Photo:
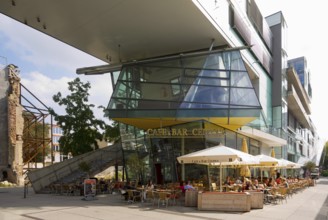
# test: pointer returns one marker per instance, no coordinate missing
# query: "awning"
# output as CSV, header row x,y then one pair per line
x,y
267,139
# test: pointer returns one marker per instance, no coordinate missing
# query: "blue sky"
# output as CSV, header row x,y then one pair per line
x,y
46,65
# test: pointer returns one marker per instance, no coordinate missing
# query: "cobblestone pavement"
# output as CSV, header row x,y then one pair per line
x,y
311,203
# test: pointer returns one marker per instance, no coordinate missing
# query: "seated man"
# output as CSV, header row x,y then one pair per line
x,y
124,191
188,186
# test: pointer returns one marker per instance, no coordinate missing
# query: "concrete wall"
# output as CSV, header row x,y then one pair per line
x,y
60,172
4,87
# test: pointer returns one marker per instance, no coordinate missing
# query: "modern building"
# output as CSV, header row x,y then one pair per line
x,y
187,75
57,155
304,74
303,140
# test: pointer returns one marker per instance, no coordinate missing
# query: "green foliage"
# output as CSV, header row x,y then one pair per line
x,y
80,127
35,137
324,157
310,165
135,166
324,173
112,132
84,166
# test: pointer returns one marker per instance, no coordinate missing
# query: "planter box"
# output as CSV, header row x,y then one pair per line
x,y
257,198
220,201
191,197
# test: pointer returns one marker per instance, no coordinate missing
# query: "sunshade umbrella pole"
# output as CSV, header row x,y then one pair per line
x,y
220,177
208,177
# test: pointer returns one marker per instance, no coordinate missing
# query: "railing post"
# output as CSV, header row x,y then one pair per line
x,y
25,190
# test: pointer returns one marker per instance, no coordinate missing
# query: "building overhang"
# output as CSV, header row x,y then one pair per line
x,y
268,140
117,31
297,109
294,82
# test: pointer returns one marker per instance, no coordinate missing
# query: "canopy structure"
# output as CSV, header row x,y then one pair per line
x,y
267,161
289,164
218,156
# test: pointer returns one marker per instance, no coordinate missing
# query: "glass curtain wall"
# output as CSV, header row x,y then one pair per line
x,y
176,91
155,158
187,92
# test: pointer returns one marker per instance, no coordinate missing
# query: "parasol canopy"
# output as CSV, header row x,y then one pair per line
x,y
218,156
288,164
267,161
245,171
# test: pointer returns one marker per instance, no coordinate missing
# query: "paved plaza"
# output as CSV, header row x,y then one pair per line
x,y
311,203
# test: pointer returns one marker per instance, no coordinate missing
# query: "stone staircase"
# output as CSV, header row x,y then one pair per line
x,y
69,171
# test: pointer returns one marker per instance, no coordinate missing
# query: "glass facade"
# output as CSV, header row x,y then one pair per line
x,y
188,94
213,87
154,158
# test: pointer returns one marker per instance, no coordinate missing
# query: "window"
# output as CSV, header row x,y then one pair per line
x,y
175,86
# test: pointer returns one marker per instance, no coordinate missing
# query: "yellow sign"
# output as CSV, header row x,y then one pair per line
x,y
183,132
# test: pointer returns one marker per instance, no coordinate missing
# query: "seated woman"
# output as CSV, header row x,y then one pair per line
x,y
255,184
182,184
272,182
149,187
227,181
284,183
248,185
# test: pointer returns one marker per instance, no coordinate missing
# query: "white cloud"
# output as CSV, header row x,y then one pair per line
x,y
41,50
47,53
44,87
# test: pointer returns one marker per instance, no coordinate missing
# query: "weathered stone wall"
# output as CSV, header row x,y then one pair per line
x,y
4,87
15,125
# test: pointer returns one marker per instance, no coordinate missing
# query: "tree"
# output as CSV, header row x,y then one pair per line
x,y
309,167
112,132
81,129
324,157
35,138
85,167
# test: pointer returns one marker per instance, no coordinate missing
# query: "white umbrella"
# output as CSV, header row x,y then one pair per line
x,y
288,164
266,161
218,156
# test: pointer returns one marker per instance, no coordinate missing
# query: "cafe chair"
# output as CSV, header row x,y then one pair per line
x,y
137,195
130,196
271,196
150,196
214,187
163,197
282,194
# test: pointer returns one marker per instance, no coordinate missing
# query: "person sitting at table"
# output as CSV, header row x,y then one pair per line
x,y
124,191
271,182
188,186
278,180
182,184
149,187
284,182
239,181
247,185
255,184
265,182
227,181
